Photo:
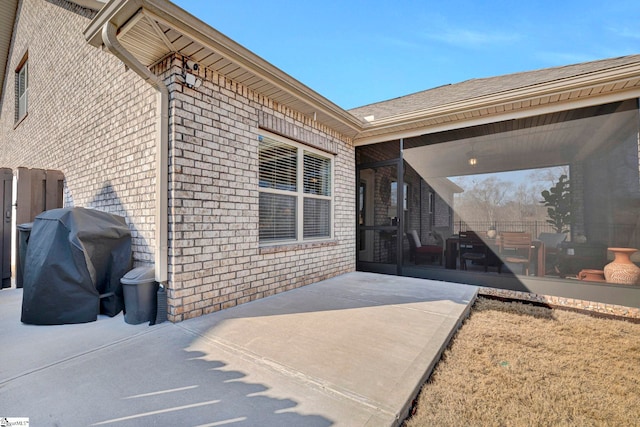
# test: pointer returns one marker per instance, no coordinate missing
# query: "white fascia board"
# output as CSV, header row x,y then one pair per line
x,y
391,132
586,81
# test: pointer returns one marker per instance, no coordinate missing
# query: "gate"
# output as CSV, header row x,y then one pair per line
x,y
38,190
6,185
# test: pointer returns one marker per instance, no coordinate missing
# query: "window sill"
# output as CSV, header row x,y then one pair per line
x,y
297,246
20,120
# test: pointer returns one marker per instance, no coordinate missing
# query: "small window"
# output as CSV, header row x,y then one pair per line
x,y
394,196
432,202
295,192
22,90
432,208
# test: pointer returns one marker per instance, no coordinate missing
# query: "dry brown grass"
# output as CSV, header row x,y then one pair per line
x,y
513,364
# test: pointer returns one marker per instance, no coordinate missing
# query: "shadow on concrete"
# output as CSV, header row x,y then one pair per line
x,y
206,393
353,291
112,373
352,349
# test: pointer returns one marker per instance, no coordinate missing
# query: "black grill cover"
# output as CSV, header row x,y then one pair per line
x,y
75,260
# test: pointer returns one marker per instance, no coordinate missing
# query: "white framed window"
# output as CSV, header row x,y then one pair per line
x,y
432,202
394,196
296,192
22,90
432,208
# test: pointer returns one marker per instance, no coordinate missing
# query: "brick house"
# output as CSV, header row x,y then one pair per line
x,y
237,181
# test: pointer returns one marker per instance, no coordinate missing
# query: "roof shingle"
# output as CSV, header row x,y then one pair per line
x,y
475,88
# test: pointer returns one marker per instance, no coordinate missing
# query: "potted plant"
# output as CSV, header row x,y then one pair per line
x,y
557,199
491,233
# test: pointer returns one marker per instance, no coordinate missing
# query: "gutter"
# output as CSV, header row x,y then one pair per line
x,y
585,82
408,125
162,147
205,35
121,11
440,120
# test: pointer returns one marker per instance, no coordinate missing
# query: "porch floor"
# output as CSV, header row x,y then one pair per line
x,y
352,350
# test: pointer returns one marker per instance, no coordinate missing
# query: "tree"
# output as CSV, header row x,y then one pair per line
x,y
482,199
557,199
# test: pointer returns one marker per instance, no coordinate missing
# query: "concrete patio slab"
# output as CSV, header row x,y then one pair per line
x,y
352,350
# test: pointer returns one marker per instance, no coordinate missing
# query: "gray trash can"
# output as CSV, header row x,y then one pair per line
x,y
161,315
24,231
139,289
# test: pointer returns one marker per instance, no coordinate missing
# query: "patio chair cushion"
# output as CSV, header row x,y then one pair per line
x,y
429,249
417,248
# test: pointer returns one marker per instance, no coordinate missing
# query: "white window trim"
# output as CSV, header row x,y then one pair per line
x,y
432,202
300,194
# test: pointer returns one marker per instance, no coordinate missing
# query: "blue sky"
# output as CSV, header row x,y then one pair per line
x,y
356,53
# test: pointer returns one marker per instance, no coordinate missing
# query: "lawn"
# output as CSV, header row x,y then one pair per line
x,y
514,364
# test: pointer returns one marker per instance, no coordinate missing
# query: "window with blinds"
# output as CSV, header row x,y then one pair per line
x,y
316,218
22,90
278,165
277,217
317,174
295,192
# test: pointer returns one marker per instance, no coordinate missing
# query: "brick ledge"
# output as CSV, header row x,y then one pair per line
x,y
296,247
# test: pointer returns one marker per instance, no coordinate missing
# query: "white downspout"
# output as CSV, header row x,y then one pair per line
x,y
162,147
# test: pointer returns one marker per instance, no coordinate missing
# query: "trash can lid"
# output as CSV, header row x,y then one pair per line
x,y
26,226
139,275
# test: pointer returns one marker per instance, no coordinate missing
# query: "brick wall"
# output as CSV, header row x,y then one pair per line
x,y
215,257
88,117
95,121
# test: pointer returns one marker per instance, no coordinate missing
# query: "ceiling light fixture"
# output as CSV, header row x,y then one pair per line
x,y
473,160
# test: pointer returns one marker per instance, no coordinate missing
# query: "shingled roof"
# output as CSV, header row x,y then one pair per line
x,y
476,88
162,28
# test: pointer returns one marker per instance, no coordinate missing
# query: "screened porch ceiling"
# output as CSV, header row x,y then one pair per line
x,y
536,142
